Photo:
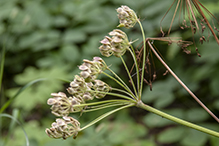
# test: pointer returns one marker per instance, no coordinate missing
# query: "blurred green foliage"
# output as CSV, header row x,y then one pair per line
x,y
50,38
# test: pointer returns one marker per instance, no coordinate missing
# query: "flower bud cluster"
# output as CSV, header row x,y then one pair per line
x,y
116,45
63,128
127,17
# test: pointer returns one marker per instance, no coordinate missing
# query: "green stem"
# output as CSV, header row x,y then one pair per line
x,y
144,57
102,102
2,66
177,120
19,91
105,115
136,66
120,82
183,85
115,94
127,70
122,91
103,106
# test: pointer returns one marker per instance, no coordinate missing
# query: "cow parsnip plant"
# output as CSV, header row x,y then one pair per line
x,y
86,86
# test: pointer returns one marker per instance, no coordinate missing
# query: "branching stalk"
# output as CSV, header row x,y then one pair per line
x,y
127,70
105,115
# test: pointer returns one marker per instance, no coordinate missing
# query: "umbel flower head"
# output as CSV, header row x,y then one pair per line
x,y
127,17
102,87
83,88
62,105
117,45
64,128
91,69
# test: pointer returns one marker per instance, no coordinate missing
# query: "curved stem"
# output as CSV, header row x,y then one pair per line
x,y
2,66
127,70
144,57
136,66
105,115
103,106
115,94
122,91
102,102
120,82
184,86
177,120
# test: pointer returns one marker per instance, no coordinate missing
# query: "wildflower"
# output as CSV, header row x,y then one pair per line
x,y
64,128
127,17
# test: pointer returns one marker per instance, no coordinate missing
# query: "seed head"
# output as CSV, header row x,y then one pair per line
x,y
63,128
62,105
101,86
127,17
117,45
91,69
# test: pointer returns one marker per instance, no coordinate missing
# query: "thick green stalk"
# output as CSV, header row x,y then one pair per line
x,y
177,120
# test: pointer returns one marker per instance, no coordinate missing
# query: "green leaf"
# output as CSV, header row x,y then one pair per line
x,y
196,115
74,36
18,92
35,134
22,131
173,49
60,21
153,120
38,14
70,53
194,137
171,135
161,93
38,93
